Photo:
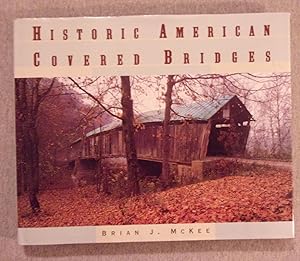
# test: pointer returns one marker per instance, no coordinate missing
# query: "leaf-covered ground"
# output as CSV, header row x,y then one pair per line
x,y
251,196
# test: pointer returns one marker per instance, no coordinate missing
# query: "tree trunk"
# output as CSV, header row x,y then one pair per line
x,y
32,163
128,134
278,120
27,141
20,143
29,96
98,175
99,171
101,175
165,175
32,155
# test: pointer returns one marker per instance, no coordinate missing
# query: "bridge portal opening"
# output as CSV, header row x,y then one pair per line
x,y
228,139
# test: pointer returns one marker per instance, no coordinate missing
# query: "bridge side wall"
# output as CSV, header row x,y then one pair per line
x,y
188,142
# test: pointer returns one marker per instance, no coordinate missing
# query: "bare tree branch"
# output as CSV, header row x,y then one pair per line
x,y
95,99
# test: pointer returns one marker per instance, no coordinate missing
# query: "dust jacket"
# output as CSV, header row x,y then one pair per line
x,y
153,128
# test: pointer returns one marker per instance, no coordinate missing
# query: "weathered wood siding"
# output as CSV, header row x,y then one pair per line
x,y
106,144
149,142
188,142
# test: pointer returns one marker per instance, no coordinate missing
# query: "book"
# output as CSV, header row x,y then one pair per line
x,y
153,128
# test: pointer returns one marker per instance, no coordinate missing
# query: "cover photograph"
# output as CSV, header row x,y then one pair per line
x,y
153,128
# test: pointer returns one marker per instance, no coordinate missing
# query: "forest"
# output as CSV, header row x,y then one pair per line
x,y
53,116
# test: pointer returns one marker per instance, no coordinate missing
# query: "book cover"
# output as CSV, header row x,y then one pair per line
x,y
153,128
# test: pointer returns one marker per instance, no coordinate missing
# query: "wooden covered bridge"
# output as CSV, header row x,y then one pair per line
x,y
197,131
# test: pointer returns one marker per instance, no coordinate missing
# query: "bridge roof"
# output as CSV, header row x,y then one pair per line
x,y
202,110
